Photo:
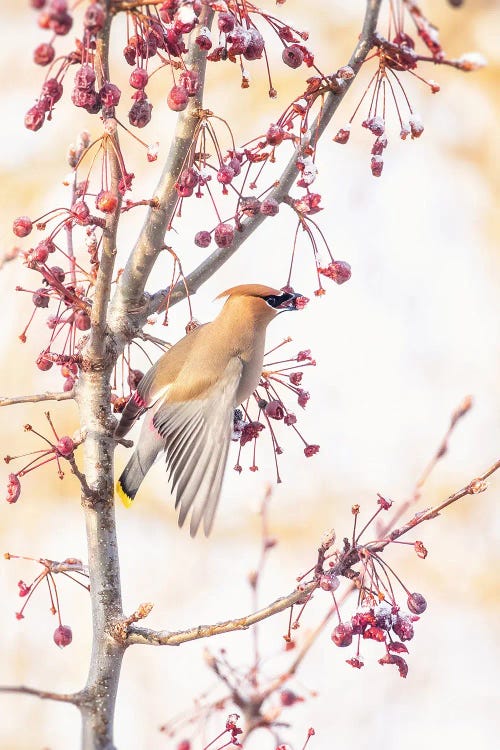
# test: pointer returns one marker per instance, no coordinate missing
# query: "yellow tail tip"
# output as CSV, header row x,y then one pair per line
x,y
126,500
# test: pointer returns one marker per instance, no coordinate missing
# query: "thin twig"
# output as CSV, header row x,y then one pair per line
x,y
43,694
37,397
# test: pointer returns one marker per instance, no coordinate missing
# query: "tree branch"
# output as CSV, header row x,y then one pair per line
x,y
128,296
37,397
43,694
346,561
210,265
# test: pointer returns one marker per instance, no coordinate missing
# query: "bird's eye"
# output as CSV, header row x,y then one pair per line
x,y
272,300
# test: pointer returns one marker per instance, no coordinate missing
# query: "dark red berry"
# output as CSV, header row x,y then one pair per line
x,y
342,634
35,117
255,44
13,489
65,446
293,56
139,78
416,603
57,273
269,207
202,239
188,79
225,174
52,90
109,95
140,113
43,54
274,410
177,99
43,362
226,22
81,212
94,18
275,135
311,450
223,235
63,636
203,41
403,628
85,77
41,298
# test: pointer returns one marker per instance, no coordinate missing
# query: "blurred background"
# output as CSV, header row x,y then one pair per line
x,y
398,347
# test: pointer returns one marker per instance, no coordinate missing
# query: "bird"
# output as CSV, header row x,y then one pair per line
x,y
189,396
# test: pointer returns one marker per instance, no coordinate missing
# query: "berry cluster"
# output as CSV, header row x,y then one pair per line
x,y
69,568
396,56
266,407
63,448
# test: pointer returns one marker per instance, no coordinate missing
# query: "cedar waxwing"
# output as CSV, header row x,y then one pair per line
x,y
190,396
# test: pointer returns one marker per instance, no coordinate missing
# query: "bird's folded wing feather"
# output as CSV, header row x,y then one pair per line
x,y
197,435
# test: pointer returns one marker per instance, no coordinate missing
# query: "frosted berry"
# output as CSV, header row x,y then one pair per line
x,y
274,409
82,320
203,41
238,39
342,634
138,78
223,235
255,44
177,99
65,446
63,636
202,239
94,18
22,226
106,201
416,603
293,56
43,54
275,135
225,174
403,628
269,207
225,22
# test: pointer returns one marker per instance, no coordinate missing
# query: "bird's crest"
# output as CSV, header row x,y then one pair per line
x,y
249,290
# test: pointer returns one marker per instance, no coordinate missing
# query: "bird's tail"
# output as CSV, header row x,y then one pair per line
x,y
144,456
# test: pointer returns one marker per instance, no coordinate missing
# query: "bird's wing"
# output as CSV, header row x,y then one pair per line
x,y
197,435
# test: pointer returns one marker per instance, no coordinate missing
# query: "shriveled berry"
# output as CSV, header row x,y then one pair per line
x,y
343,135
342,634
177,99
60,23
106,201
202,238
188,178
403,627
140,113
57,274
82,320
109,95
85,77
339,271
203,41
52,90
274,409
134,378
311,450
188,80
138,78
275,135
255,44
63,636
65,446
416,603
269,207
22,226
293,56
34,117
41,298
225,174
223,235
249,205
69,384
94,18
238,40
81,212
43,54
13,489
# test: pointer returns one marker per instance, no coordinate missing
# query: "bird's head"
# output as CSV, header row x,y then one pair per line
x,y
264,301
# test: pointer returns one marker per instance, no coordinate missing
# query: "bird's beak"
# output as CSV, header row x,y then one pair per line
x,y
295,301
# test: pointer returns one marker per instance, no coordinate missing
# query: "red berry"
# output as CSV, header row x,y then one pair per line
x,y
275,135
255,44
106,201
63,636
238,39
403,628
184,745
69,384
202,239
85,77
343,135
52,90
134,378
288,698
22,226
311,450
43,54
57,274
416,603
109,95
342,634
223,235
203,41
225,174
177,99
43,362
138,78
94,18
293,56
81,212
188,178
65,446
82,320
